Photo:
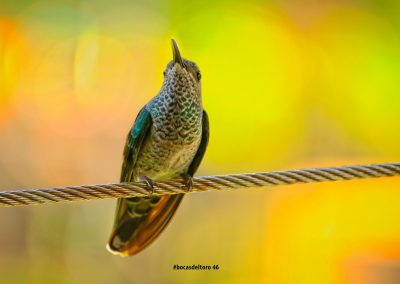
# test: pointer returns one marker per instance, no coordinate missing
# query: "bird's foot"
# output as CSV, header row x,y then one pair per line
x,y
149,183
187,181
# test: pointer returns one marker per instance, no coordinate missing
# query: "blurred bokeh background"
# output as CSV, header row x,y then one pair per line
x,y
286,83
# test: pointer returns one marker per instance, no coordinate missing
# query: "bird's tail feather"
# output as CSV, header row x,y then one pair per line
x,y
139,220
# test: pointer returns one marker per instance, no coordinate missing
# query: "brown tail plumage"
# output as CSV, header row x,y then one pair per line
x,y
139,220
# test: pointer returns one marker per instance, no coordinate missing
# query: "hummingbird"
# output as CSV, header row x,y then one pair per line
x,y
167,140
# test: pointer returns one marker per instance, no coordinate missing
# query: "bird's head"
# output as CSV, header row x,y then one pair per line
x,y
182,74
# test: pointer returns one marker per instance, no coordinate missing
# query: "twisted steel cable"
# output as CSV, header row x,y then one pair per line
x,y
206,183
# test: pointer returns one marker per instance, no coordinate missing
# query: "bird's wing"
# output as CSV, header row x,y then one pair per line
x,y
134,141
138,133
205,134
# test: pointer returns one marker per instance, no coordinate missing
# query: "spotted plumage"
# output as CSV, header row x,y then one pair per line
x,y
168,140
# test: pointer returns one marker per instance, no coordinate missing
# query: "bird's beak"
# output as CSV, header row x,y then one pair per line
x,y
177,54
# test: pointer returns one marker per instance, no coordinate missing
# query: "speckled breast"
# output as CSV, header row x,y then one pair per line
x,y
174,138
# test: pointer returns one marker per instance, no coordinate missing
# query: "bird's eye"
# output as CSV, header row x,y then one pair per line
x,y
164,73
198,74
